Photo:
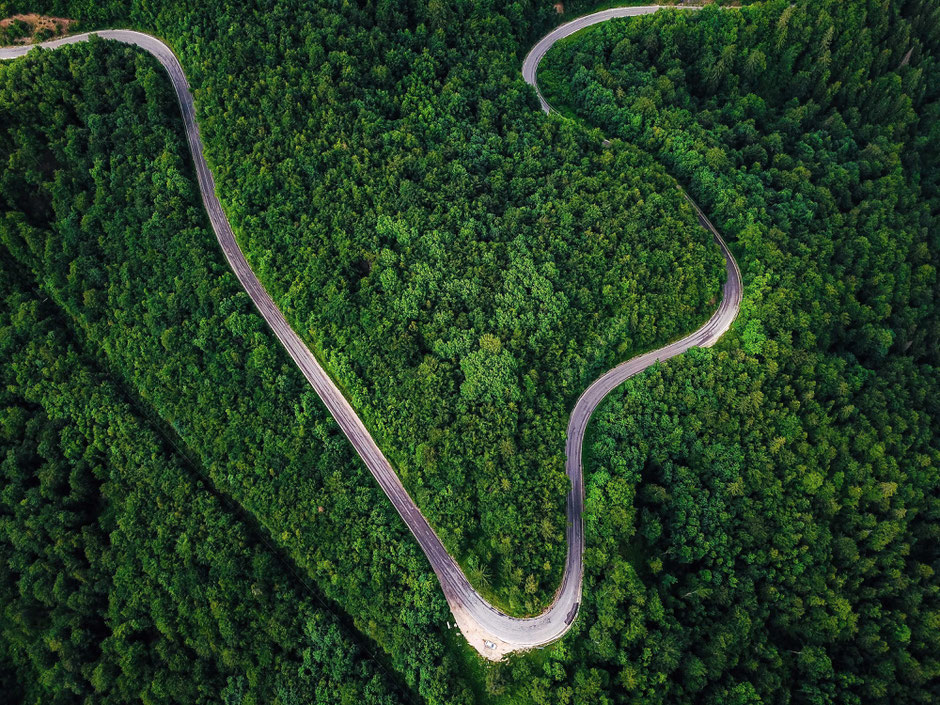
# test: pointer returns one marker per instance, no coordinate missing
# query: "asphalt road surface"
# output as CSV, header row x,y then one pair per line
x,y
488,630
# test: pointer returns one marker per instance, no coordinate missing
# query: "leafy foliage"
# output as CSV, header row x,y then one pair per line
x,y
764,517
125,578
99,184
761,518
402,210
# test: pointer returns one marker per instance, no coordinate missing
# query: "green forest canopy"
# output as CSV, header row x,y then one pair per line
x,y
462,267
781,495
125,577
726,489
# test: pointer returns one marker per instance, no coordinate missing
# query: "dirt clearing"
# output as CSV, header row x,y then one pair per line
x,y
26,29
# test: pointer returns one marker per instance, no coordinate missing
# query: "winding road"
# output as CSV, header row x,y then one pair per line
x,y
488,630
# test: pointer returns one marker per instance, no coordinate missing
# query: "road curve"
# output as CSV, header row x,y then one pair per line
x,y
531,64
488,630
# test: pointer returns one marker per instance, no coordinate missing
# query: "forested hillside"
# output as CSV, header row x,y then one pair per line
x,y
765,517
790,125
113,231
461,266
125,577
761,519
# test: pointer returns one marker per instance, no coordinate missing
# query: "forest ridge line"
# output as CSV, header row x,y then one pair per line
x,y
488,630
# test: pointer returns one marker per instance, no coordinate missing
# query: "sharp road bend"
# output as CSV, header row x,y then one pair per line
x,y
491,632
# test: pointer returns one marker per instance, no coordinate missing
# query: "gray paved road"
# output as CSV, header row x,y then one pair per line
x,y
488,630
531,64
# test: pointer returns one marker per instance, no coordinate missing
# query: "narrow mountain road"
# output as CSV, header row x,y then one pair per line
x,y
488,630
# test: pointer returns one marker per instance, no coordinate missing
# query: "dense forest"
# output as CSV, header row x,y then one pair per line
x,y
772,508
462,267
125,577
181,519
180,337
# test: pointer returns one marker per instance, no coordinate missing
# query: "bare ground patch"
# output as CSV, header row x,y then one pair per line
x,y
32,27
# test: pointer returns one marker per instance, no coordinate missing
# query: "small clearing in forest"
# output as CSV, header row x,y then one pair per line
x,y
26,29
